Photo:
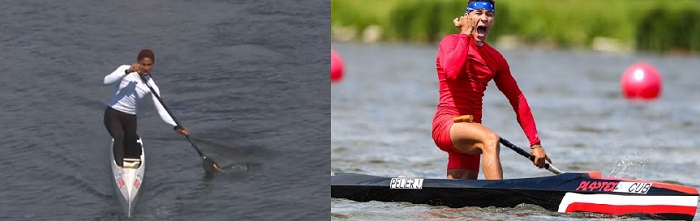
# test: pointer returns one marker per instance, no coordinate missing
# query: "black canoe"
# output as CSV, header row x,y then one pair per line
x,y
567,192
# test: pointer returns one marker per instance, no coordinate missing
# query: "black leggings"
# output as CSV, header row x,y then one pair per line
x,y
122,127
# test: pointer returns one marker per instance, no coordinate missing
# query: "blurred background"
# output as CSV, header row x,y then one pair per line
x,y
572,60
617,25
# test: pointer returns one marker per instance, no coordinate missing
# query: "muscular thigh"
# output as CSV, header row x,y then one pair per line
x,y
469,138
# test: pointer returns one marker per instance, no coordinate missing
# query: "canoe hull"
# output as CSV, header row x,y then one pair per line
x,y
568,192
128,181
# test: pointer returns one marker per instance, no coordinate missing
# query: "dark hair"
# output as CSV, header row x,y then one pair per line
x,y
146,53
492,1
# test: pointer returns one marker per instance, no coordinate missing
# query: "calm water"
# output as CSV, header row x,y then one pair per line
x,y
383,109
239,74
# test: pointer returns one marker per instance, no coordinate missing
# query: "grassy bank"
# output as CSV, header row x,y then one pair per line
x,y
654,25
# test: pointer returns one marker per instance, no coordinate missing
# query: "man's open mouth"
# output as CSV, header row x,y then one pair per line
x,y
481,29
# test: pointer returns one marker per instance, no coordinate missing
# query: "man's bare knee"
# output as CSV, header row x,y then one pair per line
x,y
491,140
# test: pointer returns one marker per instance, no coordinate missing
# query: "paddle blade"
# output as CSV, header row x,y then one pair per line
x,y
552,169
209,165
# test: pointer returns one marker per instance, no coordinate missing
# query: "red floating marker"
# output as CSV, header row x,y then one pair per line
x,y
337,68
641,81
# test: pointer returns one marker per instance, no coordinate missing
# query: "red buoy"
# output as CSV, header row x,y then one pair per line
x,y
641,81
337,68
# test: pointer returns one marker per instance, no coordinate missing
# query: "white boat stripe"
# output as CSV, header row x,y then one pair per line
x,y
626,200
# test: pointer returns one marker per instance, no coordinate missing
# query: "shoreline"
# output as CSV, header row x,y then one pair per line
x,y
521,46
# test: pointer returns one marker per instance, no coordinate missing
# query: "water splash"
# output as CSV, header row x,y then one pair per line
x,y
636,165
630,167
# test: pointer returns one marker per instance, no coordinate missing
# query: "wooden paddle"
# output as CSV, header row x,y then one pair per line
x,y
209,164
524,153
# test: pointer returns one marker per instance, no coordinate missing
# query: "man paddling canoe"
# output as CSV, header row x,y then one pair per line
x,y
465,64
120,115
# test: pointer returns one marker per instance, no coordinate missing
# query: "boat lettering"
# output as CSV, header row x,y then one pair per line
x,y
633,187
598,186
404,183
137,183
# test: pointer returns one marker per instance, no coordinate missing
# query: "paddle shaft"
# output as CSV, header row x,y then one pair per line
x,y
171,115
524,153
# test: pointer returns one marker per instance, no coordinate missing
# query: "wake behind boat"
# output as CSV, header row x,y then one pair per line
x,y
127,180
566,193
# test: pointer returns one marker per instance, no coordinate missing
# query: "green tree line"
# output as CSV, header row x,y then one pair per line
x,y
648,25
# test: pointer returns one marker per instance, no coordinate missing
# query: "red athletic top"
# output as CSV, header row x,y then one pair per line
x,y
464,69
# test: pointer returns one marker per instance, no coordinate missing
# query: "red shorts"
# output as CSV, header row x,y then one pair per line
x,y
441,135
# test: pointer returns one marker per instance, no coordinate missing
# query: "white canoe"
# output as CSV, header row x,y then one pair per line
x,y
127,181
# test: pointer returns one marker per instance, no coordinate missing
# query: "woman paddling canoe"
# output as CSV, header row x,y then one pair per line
x,y
465,65
120,115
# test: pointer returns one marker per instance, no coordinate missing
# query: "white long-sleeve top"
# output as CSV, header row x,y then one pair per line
x,y
131,90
